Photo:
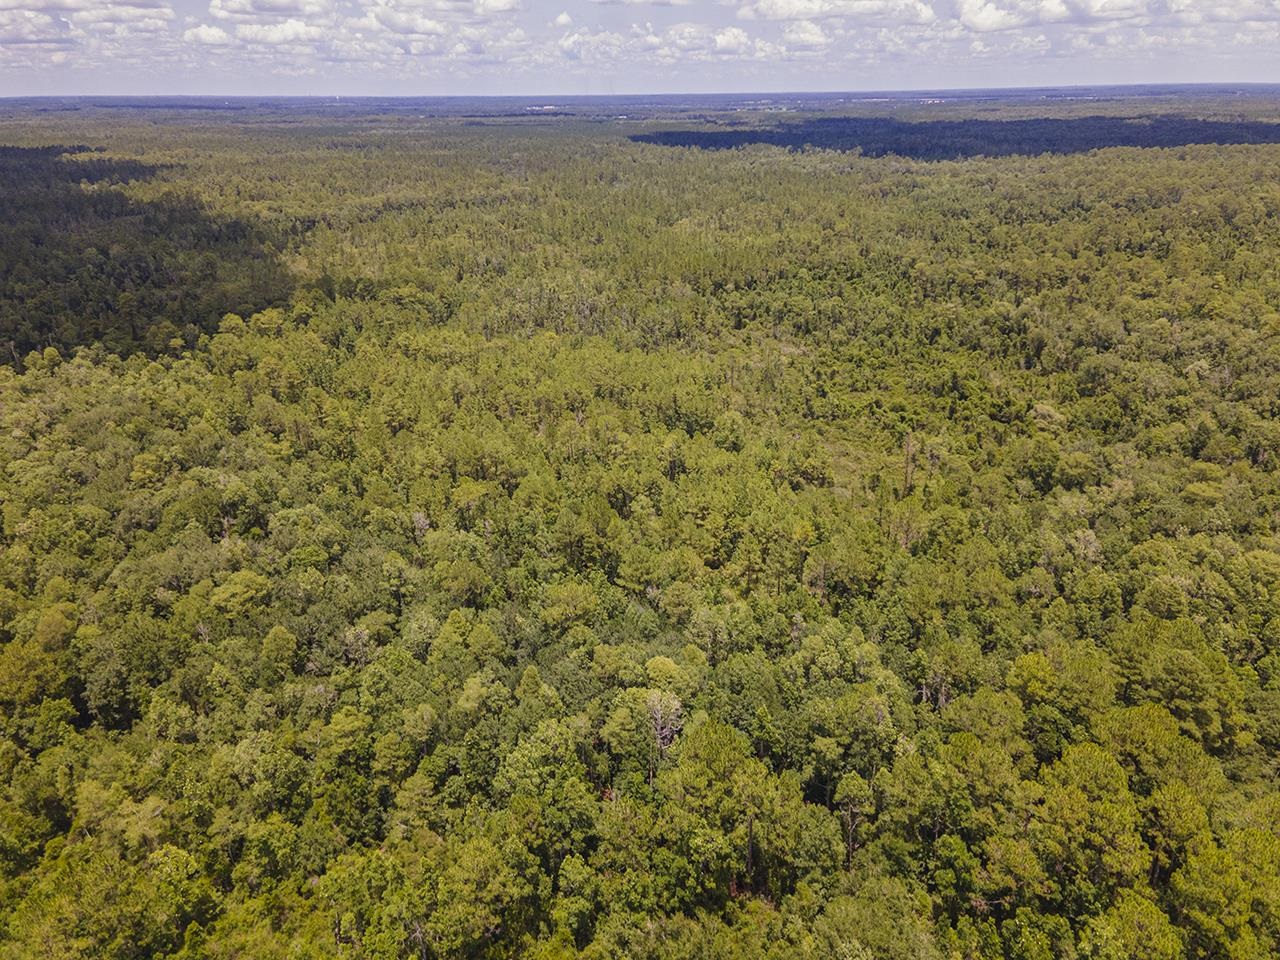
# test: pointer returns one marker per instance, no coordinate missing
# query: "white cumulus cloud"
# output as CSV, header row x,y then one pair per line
x,y
259,10
208,35
28,27
896,11
288,32
804,34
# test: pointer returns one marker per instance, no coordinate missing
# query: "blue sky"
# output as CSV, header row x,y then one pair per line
x,y
423,47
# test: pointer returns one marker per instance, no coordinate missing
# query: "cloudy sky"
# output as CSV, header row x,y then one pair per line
x,y
621,46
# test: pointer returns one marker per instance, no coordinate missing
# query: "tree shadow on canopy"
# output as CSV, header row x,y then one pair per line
x,y
82,262
957,139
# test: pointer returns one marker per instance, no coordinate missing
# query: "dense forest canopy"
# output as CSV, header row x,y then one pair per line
x,y
463,533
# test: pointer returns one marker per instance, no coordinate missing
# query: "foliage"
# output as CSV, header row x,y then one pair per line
x,y
532,542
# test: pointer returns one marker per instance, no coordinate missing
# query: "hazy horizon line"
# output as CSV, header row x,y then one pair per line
x,y
870,91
